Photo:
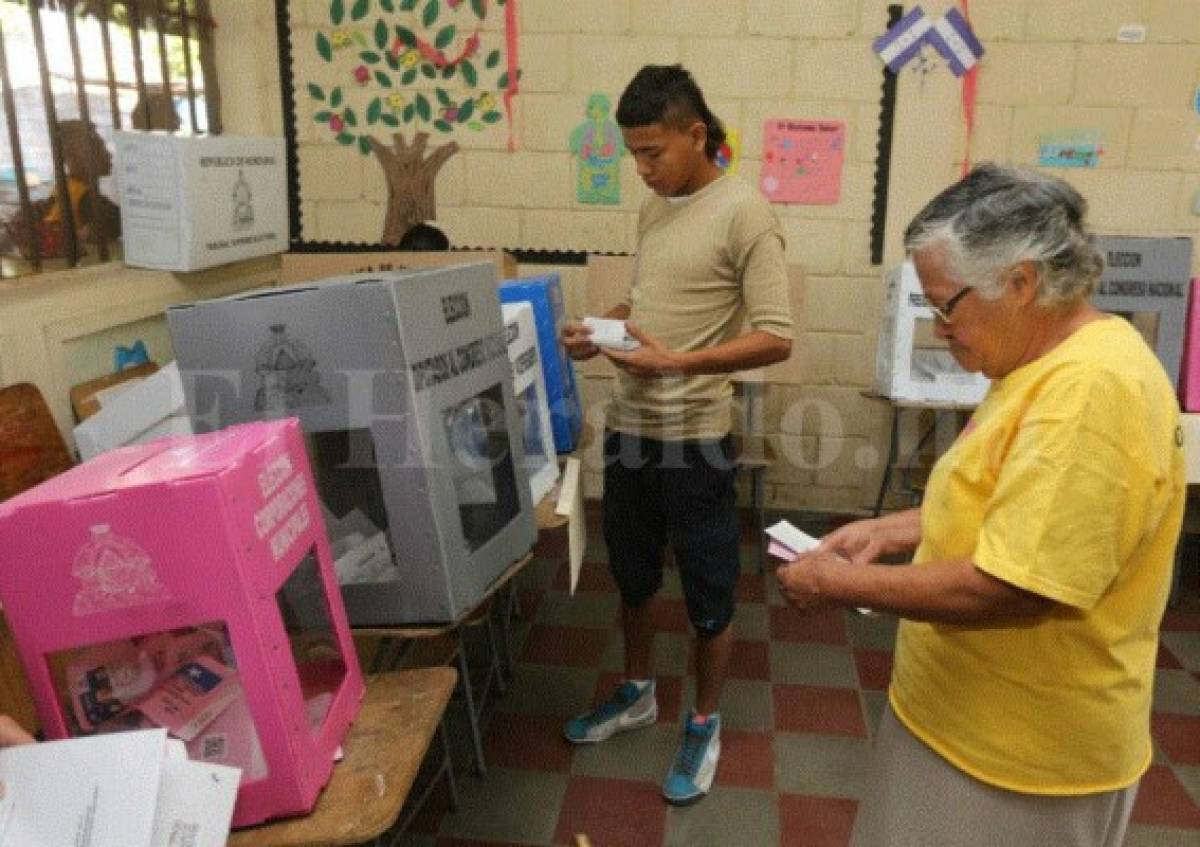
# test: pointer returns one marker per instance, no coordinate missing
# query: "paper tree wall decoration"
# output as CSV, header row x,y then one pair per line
x,y
412,66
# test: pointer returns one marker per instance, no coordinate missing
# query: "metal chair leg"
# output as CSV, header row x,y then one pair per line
x,y
497,656
469,700
757,502
451,784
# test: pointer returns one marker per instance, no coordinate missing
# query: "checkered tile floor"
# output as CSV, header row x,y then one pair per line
x,y
803,696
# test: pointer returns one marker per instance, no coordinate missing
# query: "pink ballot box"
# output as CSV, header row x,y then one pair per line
x,y
188,584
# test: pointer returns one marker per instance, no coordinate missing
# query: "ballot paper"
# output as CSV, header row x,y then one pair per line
x,y
195,801
611,333
125,789
787,542
570,506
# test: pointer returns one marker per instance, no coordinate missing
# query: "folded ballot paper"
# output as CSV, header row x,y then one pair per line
x,y
125,789
787,542
610,333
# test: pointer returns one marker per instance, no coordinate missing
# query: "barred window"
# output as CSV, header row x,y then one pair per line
x,y
72,73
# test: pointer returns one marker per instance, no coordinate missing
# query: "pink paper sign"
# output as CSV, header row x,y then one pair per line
x,y
802,161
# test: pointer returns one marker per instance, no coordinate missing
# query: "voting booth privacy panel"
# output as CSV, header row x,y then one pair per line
x,y
544,295
402,384
107,574
1145,281
529,385
913,365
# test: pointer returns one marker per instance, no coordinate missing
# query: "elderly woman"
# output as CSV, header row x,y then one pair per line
x,y
1019,707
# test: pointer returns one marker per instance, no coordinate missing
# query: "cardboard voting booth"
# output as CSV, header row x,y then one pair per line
x,y
911,364
402,384
1147,281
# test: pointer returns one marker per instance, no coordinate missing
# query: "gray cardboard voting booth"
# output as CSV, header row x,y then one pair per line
x,y
402,384
1147,280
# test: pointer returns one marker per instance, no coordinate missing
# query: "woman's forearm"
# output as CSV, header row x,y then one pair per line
x,y
943,592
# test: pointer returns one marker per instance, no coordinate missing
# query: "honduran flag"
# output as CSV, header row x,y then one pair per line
x,y
954,39
903,41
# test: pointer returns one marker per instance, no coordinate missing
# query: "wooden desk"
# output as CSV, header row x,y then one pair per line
x,y
384,750
547,518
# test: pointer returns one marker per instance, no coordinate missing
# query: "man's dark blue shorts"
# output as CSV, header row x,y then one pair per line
x,y
679,493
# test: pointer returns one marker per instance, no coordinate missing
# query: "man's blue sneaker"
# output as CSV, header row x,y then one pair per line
x,y
628,708
696,762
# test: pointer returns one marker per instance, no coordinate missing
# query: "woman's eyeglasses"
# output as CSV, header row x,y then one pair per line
x,y
942,313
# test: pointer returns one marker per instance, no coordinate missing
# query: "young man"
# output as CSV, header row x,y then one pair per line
x,y
710,257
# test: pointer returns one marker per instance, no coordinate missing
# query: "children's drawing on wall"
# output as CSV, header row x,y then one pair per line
x,y
729,156
597,146
409,70
1070,148
802,161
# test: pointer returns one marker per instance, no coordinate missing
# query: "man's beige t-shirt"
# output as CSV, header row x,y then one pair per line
x,y
706,264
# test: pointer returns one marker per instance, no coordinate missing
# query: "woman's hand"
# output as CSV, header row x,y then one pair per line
x,y
800,580
11,733
865,541
859,542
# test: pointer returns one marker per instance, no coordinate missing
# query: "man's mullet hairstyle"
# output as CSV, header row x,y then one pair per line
x,y
668,94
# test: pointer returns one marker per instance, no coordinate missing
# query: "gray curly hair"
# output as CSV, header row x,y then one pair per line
x,y
997,216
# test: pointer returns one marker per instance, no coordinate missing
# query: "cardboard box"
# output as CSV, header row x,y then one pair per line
x,y
402,384
1146,280
86,396
541,461
911,365
544,294
192,202
107,575
302,267
608,282
151,408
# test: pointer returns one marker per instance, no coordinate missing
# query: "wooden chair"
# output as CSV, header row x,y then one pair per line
x,y
31,451
31,448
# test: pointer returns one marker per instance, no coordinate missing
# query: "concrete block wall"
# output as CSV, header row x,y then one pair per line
x,y
1049,66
